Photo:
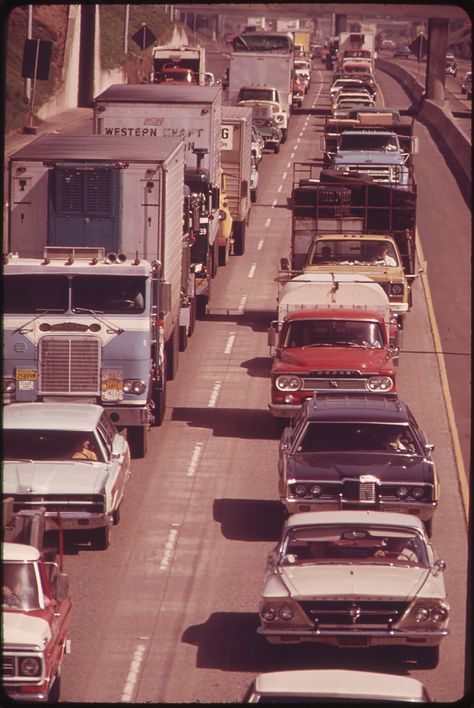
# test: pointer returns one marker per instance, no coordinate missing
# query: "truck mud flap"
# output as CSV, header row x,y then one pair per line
x,y
239,238
137,437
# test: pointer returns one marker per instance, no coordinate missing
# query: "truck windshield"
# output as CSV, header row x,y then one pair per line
x,y
369,142
256,94
332,333
26,294
352,251
262,42
108,294
20,586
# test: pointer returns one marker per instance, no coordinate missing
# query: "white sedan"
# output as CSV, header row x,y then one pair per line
x,y
356,579
69,459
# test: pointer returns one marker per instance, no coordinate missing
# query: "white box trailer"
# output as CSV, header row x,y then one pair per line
x,y
260,71
236,166
97,202
192,114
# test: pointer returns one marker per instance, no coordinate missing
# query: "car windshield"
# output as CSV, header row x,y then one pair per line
x,y
332,333
369,142
357,437
354,544
352,251
52,445
20,586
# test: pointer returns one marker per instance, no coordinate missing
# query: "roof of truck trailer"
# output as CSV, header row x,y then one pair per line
x,y
57,146
236,113
159,93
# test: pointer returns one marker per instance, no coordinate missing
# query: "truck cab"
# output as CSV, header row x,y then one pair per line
x,y
265,96
37,608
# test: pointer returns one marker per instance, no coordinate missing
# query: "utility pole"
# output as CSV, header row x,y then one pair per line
x,y
29,35
125,32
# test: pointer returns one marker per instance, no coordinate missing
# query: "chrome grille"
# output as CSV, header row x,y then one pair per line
x,y
8,666
337,613
367,490
334,384
377,173
69,365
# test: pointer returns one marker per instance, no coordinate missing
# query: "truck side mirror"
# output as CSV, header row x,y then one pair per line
x,y
164,297
62,587
215,197
284,264
414,145
273,333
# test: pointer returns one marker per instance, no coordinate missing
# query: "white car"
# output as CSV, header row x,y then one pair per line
x,y
346,94
257,144
356,579
70,459
321,685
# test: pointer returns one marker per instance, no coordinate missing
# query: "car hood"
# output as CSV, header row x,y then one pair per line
x,y
364,157
353,581
54,477
20,628
336,466
332,358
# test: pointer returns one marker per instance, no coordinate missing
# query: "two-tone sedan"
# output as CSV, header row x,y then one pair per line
x,y
356,579
70,459
357,452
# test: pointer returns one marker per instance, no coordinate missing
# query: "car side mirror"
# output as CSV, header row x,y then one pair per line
x,y
439,565
289,559
429,447
284,264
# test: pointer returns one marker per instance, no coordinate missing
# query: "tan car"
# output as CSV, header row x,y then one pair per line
x,y
375,256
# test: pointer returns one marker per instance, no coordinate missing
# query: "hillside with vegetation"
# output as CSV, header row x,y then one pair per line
x,y
50,23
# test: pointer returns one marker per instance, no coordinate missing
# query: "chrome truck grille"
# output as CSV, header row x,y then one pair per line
x,y
69,365
378,173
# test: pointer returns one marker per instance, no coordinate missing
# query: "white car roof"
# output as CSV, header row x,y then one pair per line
x,y
19,552
52,416
385,518
341,682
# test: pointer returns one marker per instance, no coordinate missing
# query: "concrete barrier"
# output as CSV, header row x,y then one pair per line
x,y
449,137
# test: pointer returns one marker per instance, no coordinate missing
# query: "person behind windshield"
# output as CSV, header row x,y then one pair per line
x,y
395,443
382,256
82,451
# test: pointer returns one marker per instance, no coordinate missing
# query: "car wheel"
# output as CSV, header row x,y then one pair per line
x,y
427,657
100,539
55,692
276,149
116,516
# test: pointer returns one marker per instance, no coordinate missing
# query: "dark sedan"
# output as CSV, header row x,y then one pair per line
x,y
357,452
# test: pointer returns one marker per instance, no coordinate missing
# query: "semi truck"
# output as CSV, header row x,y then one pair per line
x,y
261,73
192,114
94,297
191,58
356,45
236,168
334,334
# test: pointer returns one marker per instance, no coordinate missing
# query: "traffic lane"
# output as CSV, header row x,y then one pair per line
x,y
446,274
147,510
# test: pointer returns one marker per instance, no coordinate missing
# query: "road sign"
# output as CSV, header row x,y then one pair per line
x,y
419,46
36,59
144,37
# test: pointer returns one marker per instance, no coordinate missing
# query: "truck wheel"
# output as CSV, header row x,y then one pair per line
x,y
284,135
137,440
276,149
183,338
224,253
253,195
172,351
239,238
159,403
427,657
214,259
192,316
100,539
55,692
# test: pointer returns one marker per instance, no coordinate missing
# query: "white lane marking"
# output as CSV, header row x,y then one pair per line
x,y
284,175
267,223
193,465
214,394
280,188
252,270
242,303
292,155
230,343
301,134
298,140
288,166
274,202
133,672
170,545
260,244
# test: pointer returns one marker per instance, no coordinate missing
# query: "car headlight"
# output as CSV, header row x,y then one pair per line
x,y
288,383
268,613
402,492
396,289
379,383
300,490
422,614
418,493
316,490
285,613
439,613
280,119
30,666
135,386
